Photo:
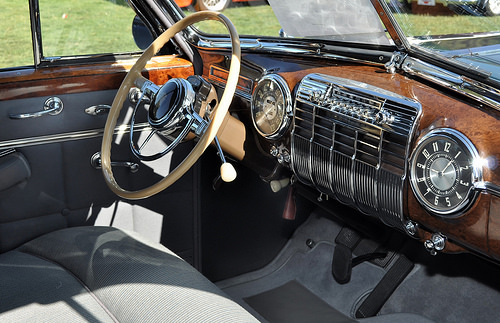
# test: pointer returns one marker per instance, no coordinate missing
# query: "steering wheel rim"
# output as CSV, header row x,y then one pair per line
x,y
134,77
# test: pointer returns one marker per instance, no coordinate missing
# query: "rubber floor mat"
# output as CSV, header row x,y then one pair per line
x,y
293,303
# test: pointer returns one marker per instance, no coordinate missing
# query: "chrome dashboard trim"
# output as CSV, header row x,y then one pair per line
x,y
476,90
340,146
218,76
63,137
488,187
282,47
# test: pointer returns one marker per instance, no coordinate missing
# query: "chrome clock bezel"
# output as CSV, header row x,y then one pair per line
x,y
287,106
472,156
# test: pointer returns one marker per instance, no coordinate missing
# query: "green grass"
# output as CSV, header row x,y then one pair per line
x,y
69,27
15,42
248,20
80,27
420,25
90,27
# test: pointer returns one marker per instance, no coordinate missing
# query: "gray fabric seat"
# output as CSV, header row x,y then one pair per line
x,y
102,274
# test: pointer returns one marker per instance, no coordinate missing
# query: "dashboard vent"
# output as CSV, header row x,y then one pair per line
x,y
351,140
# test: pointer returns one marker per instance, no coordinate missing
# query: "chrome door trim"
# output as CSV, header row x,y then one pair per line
x,y
63,137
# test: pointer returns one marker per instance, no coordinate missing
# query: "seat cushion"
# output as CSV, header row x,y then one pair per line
x,y
34,289
104,274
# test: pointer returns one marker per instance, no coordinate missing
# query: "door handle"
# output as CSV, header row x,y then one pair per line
x,y
52,106
95,161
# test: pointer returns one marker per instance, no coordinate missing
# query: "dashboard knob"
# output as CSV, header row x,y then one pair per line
x,y
436,243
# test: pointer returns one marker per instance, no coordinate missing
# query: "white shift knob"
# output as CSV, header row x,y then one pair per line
x,y
227,172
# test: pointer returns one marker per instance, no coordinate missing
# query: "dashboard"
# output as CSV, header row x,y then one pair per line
x,y
418,157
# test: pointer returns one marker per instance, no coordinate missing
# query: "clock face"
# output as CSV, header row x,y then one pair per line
x,y
443,172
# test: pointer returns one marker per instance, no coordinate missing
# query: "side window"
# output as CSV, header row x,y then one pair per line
x,y
75,28
15,41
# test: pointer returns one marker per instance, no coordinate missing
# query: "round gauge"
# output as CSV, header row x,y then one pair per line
x,y
443,172
271,106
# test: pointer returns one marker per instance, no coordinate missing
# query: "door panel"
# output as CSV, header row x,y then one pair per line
x,y
64,189
71,119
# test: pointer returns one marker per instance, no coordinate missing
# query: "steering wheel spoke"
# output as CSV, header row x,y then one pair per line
x,y
146,141
171,111
147,87
138,146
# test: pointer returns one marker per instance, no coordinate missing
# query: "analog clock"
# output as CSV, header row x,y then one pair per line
x,y
443,172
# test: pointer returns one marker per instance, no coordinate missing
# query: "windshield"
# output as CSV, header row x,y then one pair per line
x,y
431,23
332,20
466,31
320,19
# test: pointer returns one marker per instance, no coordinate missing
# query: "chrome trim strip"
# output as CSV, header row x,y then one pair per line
x,y
218,76
222,86
7,152
306,49
453,81
224,44
63,137
488,187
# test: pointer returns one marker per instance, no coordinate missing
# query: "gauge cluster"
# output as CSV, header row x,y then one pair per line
x,y
443,172
271,106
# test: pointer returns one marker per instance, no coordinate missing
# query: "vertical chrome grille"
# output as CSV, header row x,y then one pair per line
x,y
351,140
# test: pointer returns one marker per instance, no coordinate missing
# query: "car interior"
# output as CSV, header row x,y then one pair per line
x,y
195,176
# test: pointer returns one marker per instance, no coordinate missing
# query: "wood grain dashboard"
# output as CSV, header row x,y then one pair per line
x,y
478,229
32,82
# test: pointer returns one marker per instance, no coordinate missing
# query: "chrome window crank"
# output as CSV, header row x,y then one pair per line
x,y
95,161
97,110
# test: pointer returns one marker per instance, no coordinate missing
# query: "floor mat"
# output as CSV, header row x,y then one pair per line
x,y
293,303
307,259
464,288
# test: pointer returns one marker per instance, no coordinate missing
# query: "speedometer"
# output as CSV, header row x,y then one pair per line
x,y
443,172
271,106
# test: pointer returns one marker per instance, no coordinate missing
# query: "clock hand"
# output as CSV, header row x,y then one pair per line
x,y
448,165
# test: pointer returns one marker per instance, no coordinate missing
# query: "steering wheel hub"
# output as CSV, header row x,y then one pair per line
x,y
170,105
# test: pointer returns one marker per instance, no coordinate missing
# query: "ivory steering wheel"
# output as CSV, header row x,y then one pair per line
x,y
134,78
